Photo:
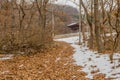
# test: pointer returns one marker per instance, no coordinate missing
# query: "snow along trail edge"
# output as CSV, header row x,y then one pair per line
x,y
91,61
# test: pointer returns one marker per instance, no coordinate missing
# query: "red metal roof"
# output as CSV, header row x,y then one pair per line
x,y
73,26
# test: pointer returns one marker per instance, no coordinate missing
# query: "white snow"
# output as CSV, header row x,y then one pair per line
x,y
6,57
92,61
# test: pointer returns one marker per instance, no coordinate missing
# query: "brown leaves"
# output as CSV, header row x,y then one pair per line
x,y
51,64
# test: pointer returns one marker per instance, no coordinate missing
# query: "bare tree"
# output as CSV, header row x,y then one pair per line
x,y
97,26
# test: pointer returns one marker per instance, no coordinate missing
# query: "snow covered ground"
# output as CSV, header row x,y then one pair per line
x,y
92,62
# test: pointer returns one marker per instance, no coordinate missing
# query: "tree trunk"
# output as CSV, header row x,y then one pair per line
x,y
90,24
97,26
80,18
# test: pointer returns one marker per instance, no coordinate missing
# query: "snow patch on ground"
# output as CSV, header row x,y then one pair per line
x,y
6,57
93,62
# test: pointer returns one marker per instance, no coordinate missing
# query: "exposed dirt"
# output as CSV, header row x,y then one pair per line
x,y
52,64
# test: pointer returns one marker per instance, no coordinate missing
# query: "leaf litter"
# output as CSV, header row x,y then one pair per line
x,y
53,64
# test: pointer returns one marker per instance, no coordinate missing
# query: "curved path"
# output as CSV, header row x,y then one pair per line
x,y
93,62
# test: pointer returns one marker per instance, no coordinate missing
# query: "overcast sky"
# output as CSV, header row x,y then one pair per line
x,y
67,2
64,2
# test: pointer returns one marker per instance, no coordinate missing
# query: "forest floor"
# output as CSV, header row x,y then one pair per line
x,y
66,61
52,64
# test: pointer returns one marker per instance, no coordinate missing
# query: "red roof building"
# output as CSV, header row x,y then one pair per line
x,y
73,26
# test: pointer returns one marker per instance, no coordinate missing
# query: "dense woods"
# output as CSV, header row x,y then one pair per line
x,y
30,24
24,25
102,17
